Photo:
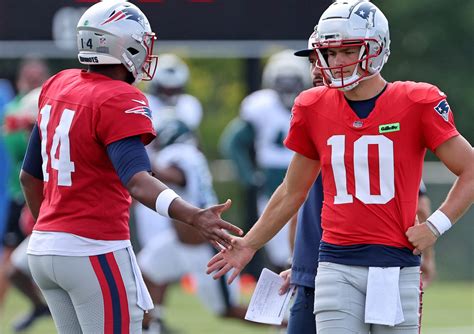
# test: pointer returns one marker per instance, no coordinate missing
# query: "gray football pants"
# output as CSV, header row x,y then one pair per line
x,y
89,294
339,302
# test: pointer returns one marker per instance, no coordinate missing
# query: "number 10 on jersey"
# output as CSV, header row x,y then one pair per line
x,y
361,169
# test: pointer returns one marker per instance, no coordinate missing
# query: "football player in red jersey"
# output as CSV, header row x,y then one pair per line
x,y
86,156
369,138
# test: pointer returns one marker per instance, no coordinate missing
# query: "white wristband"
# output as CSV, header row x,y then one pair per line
x,y
439,220
164,200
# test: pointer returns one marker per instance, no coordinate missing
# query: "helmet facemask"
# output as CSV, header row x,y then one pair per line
x,y
151,61
362,70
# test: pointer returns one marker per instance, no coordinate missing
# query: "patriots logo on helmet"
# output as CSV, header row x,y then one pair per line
x,y
443,109
367,12
127,13
145,111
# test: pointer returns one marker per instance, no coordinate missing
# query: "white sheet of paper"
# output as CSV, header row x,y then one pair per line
x,y
267,305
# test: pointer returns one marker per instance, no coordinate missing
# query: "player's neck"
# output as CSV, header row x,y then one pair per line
x,y
366,89
115,72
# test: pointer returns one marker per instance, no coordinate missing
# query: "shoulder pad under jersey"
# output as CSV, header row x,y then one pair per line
x,y
311,96
421,92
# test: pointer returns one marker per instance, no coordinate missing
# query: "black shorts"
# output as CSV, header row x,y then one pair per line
x,y
13,235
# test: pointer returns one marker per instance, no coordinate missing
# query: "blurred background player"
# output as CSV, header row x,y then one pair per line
x,y
6,95
167,96
16,130
167,257
428,259
305,235
168,101
263,124
19,272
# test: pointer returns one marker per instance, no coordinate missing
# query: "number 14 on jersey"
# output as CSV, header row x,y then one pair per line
x,y
63,163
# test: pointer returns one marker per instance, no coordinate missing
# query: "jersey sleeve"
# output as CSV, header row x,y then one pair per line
x,y
299,139
438,123
122,116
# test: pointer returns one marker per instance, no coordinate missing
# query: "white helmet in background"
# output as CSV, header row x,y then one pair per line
x,y
112,32
354,23
172,72
287,75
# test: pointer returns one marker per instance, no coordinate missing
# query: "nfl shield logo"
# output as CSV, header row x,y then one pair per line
x,y
357,124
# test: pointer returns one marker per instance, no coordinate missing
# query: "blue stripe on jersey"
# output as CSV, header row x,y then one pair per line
x,y
117,315
368,255
129,157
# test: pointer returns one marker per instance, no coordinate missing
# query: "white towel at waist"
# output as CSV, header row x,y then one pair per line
x,y
383,305
144,300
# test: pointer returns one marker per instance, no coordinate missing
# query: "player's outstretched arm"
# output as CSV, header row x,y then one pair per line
x,y
458,155
283,205
145,188
227,259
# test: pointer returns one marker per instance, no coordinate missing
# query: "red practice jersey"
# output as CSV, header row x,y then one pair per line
x,y
371,167
80,114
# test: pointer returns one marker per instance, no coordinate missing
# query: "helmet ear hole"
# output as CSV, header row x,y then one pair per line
x,y
364,54
133,51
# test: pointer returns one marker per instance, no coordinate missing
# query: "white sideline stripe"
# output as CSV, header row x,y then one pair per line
x,y
434,172
448,330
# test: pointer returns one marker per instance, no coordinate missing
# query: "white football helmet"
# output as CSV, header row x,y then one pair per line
x,y
287,75
112,32
172,72
353,23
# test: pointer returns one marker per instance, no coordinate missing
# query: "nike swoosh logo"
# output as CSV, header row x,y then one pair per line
x,y
140,101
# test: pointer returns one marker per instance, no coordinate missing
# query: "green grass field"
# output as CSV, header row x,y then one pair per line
x,y
448,309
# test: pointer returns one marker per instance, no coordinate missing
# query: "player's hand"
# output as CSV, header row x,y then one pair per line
x,y
212,227
235,258
286,275
420,236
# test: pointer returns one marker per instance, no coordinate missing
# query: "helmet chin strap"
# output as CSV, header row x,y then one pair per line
x,y
354,78
339,82
355,84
